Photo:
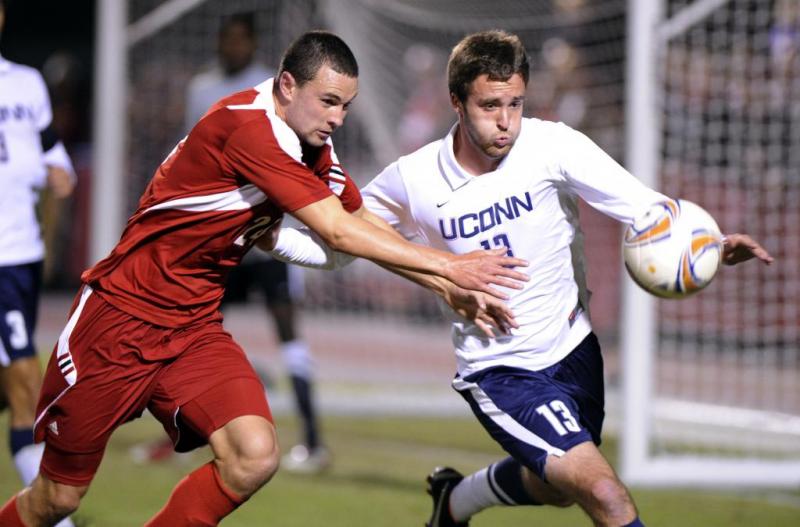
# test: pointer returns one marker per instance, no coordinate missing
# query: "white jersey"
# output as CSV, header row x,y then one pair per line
x,y
24,113
528,204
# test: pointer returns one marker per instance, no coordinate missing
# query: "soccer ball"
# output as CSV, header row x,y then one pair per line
x,y
673,250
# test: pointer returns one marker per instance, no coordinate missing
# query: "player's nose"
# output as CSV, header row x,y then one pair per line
x,y
503,119
336,118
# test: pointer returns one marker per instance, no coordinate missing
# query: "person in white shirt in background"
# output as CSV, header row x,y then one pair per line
x,y
31,159
501,180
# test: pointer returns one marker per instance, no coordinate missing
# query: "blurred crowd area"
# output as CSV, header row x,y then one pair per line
x,y
730,104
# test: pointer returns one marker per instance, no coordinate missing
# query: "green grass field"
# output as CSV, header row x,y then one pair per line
x,y
377,480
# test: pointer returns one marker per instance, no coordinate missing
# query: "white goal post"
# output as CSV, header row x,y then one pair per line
x,y
669,436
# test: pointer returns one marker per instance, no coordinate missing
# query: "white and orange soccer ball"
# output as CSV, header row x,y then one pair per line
x,y
673,250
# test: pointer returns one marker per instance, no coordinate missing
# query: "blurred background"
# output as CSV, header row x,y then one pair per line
x,y
725,93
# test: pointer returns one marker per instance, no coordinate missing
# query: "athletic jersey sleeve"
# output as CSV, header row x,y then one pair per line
x,y
57,156
599,180
252,153
351,197
304,247
53,151
387,197
43,112
326,165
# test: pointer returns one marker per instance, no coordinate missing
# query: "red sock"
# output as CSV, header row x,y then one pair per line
x,y
9,517
198,500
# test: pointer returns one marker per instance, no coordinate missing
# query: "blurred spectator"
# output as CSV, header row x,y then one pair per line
x,y
235,70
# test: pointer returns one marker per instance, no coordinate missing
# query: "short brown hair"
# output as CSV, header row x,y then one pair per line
x,y
495,53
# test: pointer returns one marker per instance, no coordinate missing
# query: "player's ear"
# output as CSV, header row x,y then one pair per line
x,y
287,85
455,102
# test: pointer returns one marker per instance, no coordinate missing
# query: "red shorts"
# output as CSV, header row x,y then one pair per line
x,y
99,377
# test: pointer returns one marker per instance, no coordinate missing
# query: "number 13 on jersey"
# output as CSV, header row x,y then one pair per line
x,y
500,240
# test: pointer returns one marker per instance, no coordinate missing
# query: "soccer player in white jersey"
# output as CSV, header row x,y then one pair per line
x,y
498,180
31,157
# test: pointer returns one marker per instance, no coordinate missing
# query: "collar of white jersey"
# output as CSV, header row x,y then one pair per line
x,y
5,65
454,173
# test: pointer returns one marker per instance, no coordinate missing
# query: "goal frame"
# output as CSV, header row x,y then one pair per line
x,y
649,30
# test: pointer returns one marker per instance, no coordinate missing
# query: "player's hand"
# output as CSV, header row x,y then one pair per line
x,y
59,181
738,248
484,311
476,270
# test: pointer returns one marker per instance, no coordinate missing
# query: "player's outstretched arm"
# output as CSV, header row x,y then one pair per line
x,y
738,248
484,311
304,247
347,233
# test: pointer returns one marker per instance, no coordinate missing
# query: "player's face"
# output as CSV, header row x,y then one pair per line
x,y
318,107
236,48
490,119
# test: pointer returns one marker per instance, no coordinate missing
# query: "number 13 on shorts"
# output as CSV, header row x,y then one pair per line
x,y
559,417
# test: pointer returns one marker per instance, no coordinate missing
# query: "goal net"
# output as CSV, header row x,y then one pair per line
x,y
723,400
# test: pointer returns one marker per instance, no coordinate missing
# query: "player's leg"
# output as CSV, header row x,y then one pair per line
x,y
20,372
21,381
547,418
581,475
245,458
211,394
585,475
95,381
282,286
45,502
245,453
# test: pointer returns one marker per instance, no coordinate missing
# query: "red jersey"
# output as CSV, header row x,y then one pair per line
x,y
239,169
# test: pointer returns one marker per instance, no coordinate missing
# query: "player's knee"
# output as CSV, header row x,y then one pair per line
x,y
63,500
611,495
254,463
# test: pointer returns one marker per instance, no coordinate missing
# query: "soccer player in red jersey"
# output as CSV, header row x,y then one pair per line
x,y
145,331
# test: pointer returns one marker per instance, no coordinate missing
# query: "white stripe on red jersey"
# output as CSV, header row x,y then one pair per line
x,y
236,173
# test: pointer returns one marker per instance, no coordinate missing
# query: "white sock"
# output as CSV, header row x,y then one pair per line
x,y
297,357
472,495
27,460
